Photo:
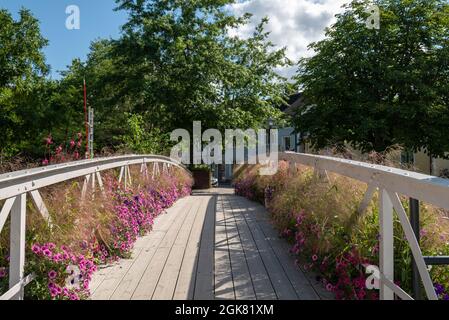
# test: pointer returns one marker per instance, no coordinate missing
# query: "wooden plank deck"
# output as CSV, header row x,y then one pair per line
x,y
211,245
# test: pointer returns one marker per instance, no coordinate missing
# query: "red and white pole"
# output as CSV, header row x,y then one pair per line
x,y
86,120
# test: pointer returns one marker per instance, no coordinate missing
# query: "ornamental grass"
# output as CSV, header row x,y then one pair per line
x,y
82,235
328,236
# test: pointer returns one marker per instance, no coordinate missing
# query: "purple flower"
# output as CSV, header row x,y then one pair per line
x,y
53,292
2,272
439,289
58,289
74,296
57,257
36,249
52,274
47,253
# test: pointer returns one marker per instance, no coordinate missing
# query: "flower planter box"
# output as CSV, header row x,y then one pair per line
x,y
202,179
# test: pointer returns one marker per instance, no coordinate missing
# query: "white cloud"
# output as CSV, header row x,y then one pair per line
x,y
293,24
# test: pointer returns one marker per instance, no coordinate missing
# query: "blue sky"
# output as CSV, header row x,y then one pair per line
x,y
98,20
293,24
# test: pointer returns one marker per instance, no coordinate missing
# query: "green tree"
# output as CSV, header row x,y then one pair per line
x,y
377,88
22,66
181,65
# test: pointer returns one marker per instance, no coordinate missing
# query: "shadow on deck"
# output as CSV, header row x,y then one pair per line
x,y
211,245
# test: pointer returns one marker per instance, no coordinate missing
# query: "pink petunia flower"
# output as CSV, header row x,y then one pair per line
x,y
52,274
36,249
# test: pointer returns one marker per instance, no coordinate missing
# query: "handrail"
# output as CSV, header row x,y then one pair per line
x,y
413,184
15,186
18,182
390,183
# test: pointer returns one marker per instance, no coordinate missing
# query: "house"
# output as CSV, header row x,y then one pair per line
x,y
289,140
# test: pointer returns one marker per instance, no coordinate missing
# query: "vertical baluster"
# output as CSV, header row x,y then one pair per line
x,y
17,243
414,221
386,244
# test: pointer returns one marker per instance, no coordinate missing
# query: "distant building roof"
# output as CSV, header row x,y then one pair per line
x,y
295,102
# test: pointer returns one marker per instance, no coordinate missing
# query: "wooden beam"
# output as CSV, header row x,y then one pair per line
x,y
40,205
386,244
85,187
16,289
17,244
414,246
5,211
367,199
415,185
122,169
16,183
100,182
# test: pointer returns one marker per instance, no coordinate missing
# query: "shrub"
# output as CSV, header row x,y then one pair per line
x,y
319,218
86,234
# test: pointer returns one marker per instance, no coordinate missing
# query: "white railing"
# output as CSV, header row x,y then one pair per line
x,y
390,183
15,186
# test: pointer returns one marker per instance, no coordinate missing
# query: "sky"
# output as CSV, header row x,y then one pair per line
x,y
97,20
293,24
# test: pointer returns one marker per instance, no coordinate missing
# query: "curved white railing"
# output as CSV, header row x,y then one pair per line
x,y
15,186
390,183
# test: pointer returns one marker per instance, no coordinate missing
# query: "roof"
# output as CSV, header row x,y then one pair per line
x,y
295,101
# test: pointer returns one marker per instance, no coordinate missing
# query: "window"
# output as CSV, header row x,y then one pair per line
x,y
407,158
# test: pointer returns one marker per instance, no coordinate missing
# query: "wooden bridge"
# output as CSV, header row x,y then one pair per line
x,y
211,245
214,245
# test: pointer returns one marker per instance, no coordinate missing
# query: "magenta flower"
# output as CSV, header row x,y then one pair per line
x,y
52,274
74,296
2,272
53,292
47,253
36,249
58,289
314,258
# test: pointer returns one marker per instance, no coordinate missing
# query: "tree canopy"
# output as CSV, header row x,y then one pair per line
x,y
175,62
377,88
22,66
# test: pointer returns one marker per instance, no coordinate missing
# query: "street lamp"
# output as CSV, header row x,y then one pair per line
x,y
270,123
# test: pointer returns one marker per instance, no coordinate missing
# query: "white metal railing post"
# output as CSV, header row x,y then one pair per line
x,y
17,243
122,170
129,175
386,248
93,185
126,176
